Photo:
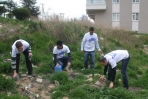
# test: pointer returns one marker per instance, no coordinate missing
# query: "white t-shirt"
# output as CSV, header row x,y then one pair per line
x,y
89,42
61,52
15,50
115,56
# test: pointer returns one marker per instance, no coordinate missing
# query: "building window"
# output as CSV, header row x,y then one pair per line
x,y
116,1
115,17
135,16
136,1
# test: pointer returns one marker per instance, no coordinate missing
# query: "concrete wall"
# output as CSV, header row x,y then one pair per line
x,y
143,22
105,17
126,14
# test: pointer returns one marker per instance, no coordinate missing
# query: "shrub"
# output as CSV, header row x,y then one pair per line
x,y
10,15
6,84
61,77
5,67
58,95
21,13
77,64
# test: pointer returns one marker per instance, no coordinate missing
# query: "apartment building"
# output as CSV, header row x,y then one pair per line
x,y
131,15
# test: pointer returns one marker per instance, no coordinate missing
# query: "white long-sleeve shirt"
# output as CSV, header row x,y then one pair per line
x,y
89,42
115,56
25,46
15,51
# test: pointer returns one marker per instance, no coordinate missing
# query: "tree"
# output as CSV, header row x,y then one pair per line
x,y
21,13
30,4
84,18
10,5
2,10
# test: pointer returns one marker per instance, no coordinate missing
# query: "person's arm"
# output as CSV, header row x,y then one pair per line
x,y
29,49
55,58
104,73
13,59
105,70
113,74
82,43
69,57
112,77
97,44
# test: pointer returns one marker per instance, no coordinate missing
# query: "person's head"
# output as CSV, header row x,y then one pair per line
x,y
103,61
19,46
91,30
59,44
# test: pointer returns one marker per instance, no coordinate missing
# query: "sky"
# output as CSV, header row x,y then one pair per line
x,y
70,8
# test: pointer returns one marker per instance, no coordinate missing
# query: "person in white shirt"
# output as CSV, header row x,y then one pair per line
x,y
110,60
89,41
21,46
59,57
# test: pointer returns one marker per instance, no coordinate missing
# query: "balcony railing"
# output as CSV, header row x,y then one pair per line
x,y
95,2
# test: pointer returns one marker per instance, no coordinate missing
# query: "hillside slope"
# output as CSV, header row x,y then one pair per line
x,y
42,35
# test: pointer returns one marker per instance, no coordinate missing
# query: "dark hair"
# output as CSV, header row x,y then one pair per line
x,y
59,43
18,44
102,59
91,29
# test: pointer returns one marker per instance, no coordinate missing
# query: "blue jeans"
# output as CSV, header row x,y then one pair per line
x,y
123,72
92,59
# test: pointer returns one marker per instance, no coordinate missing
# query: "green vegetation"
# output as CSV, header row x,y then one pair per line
x,y
43,35
21,13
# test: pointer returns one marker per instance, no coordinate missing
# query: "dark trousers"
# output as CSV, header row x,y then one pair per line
x,y
123,72
63,61
28,62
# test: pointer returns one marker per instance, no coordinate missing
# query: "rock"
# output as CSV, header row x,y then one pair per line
x,y
23,75
39,80
51,86
97,75
56,83
54,92
9,93
7,60
88,76
65,98
40,77
97,83
34,66
37,95
90,79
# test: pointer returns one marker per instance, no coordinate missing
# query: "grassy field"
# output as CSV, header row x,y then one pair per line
x,y
42,36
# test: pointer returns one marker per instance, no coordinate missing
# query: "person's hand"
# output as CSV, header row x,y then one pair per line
x,y
111,85
68,64
82,51
57,64
30,54
100,52
102,78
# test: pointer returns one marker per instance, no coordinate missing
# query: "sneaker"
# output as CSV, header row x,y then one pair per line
x,y
31,75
